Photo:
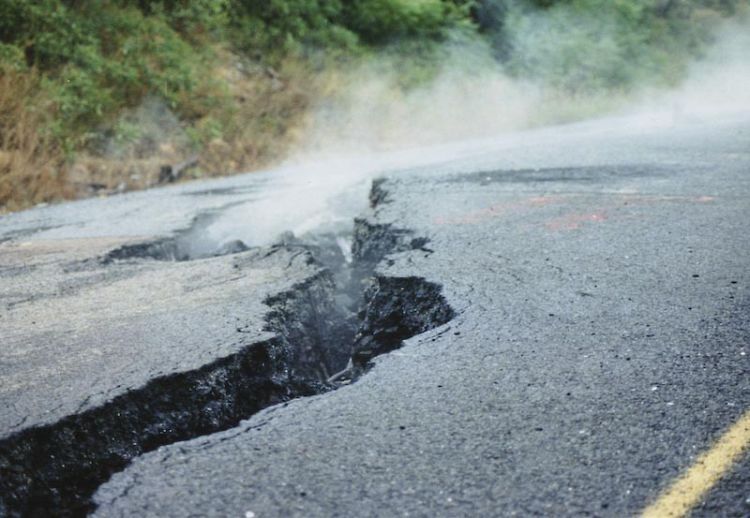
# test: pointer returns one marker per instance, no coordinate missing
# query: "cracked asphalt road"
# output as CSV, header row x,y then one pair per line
x,y
600,279
599,276
79,330
102,331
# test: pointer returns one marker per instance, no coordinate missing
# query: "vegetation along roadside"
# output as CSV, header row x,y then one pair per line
x,y
97,96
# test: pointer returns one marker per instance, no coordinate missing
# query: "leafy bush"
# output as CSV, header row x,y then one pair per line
x,y
293,25
383,21
101,57
282,26
193,19
11,58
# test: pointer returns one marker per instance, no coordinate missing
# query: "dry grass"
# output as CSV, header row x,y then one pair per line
x,y
261,116
32,168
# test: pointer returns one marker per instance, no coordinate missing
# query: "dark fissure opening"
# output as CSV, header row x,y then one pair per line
x,y
333,323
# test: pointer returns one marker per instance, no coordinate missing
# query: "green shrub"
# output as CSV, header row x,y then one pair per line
x,y
294,25
193,19
283,26
101,57
383,21
11,57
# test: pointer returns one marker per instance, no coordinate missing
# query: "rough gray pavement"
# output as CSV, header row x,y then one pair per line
x,y
600,278
77,333
122,330
93,304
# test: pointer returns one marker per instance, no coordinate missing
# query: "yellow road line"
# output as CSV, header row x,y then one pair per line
x,y
687,491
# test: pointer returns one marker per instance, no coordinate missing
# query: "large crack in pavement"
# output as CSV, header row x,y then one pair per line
x,y
56,468
592,360
346,314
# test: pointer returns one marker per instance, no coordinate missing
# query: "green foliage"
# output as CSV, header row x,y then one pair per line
x,y
382,21
11,57
206,130
282,26
99,57
292,25
191,18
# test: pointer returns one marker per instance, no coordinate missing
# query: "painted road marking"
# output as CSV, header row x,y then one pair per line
x,y
687,491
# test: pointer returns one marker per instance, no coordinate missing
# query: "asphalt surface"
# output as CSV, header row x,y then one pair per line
x,y
599,276
77,333
80,330
600,280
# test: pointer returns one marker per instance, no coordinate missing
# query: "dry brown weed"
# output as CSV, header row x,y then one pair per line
x,y
32,169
